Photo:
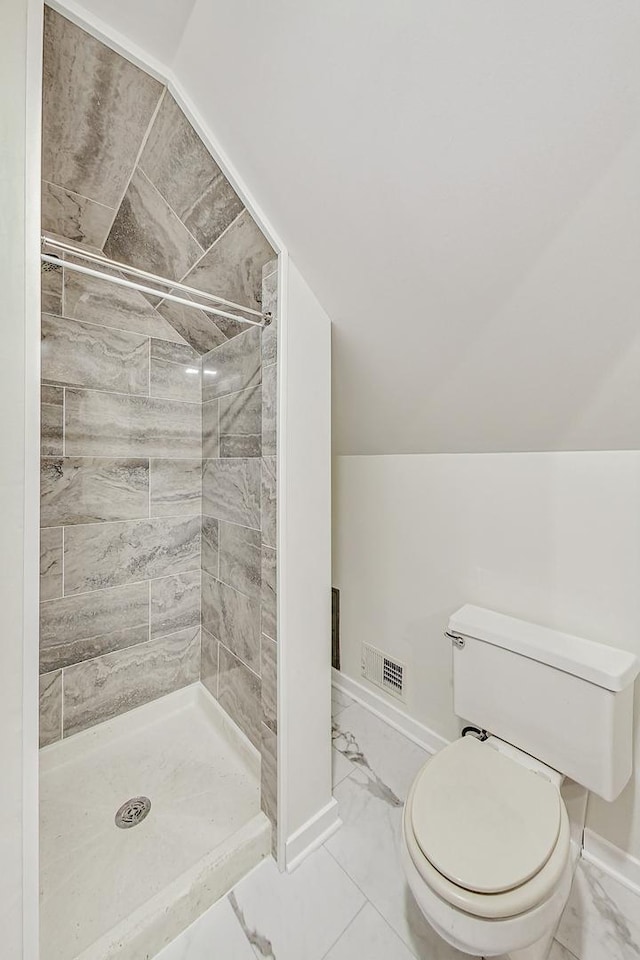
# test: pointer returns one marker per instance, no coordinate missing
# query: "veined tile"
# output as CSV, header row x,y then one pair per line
x,y
233,618
100,555
340,767
231,491
269,592
50,288
239,694
371,937
296,915
91,489
269,779
269,401
219,926
239,552
243,243
339,701
147,234
241,416
80,150
601,918
176,487
50,707
50,563
234,446
87,355
558,952
270,305
101,302
73,216
175,603
99,689
51,425
210,550
196,327
176,381
113,425
235,365
174,352
92,624
268,501
210,431
269,678
209,662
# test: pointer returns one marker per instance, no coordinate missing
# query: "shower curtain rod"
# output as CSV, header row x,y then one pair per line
x,y
143,288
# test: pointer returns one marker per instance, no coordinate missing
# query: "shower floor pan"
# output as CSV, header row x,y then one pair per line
x,y
107,892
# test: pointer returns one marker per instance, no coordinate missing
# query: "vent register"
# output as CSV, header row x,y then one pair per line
x,y
380,669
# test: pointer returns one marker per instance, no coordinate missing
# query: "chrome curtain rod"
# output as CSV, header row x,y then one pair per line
x,y
143,288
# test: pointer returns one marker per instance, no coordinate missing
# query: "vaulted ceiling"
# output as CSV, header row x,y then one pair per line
x,y
459,184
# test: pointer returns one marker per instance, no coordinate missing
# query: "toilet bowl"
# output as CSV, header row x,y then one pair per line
x,y
486,849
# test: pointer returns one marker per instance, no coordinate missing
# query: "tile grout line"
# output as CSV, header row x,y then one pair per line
x,y
348,926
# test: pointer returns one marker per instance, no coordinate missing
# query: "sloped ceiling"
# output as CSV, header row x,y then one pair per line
x,y
459,183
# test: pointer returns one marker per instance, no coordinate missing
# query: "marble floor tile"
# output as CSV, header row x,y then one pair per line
x,y
367,847
210,430
101,302
175,603
240,558
50,707
91,489
239,694
114,425
558,952
100,555
369,936
340,767
50,563
216,933
175,381
231,491
339,701
291,916
175,487
601,919
80,150
73,216
147,234
86,355
100,689
233,618
233,366
92,624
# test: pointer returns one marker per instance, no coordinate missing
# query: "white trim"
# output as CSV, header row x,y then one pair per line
x,y
312,834
428,739
612,860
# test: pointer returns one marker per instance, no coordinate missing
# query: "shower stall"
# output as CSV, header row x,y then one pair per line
x,y
160,683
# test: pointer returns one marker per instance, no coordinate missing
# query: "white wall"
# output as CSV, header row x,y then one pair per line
x,y
552,537
19,393
304,589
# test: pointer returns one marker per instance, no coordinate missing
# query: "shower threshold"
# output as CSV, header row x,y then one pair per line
x,y
107,892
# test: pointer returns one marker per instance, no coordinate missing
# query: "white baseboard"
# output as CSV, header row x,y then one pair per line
x,y
612,860
312,835
396,718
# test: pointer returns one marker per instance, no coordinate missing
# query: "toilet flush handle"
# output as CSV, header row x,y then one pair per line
x,y
456,641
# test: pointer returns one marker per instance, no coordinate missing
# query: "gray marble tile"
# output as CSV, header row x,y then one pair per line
x,y
147,234
50,708
99,689
269,592
52,422
239,694
87,355
175,381
100,555
91,489
180,166
210,549
209,662
234,264
240,423
175,603
602,917
269,677
101,302
92,624
268,501
240,556
196,327
50,563
233,618
231,491
174,353
234,366
176,487
269,410
270,305
97,107
114,425
73,216
210,430
50,288
558,952
269,778
51,395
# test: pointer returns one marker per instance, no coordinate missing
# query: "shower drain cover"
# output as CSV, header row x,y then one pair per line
x,y
132,812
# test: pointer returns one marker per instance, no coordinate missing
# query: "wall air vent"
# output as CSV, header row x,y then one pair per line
x,y
382,670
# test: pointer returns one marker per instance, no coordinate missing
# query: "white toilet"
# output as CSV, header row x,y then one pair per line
x,y
493,827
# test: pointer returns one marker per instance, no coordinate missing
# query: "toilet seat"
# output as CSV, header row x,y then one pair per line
x,y
488,835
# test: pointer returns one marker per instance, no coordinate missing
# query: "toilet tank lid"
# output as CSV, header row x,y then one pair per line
x,y
597,663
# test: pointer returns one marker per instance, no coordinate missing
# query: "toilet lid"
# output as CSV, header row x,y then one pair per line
x,y
484,821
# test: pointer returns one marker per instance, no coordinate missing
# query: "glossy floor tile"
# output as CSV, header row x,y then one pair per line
x,y
112,892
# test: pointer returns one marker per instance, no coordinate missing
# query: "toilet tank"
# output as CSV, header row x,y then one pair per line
x,y
562,699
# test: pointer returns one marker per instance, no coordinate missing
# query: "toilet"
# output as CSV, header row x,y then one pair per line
x,y
492,825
